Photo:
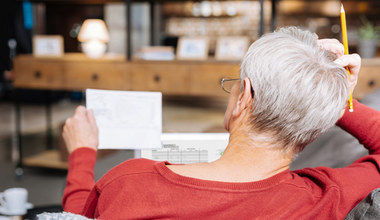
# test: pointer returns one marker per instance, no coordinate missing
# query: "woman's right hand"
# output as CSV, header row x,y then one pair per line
x,y
81,130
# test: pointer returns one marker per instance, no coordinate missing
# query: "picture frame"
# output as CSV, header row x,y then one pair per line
x,y
231,47
192,48
48,46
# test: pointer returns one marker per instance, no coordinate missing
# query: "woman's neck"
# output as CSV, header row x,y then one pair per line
x,y
252,157
247,158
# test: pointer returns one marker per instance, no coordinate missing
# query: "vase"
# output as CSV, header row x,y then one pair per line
x,y
367,48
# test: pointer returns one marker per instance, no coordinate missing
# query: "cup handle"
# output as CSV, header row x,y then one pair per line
x,y
2,201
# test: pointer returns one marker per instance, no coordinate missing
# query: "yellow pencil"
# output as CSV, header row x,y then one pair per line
x,y
345,44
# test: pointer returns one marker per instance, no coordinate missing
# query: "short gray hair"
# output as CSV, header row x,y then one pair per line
x,y
299,92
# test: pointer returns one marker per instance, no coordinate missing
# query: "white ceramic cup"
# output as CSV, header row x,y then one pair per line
x,y
14,200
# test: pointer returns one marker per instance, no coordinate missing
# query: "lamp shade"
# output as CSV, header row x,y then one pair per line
x,y
93,29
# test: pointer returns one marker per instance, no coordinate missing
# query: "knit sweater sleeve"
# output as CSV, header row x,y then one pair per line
x,y
80,179
357,180
364,124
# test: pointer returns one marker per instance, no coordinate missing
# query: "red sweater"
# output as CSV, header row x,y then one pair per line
x,y
145,189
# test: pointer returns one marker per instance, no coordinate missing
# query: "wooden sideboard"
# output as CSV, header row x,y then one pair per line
x,y
195,78
77,72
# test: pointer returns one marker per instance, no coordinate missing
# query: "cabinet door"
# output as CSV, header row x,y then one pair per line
x,y
40,74
168,78
206,77
97,75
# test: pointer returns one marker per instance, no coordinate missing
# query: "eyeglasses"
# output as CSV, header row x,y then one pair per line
x,y
227,84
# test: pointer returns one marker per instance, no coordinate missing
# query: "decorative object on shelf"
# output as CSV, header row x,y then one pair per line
x,y
48,45
193,48
206,9
217,9
368,36
156,53
231,48
94,36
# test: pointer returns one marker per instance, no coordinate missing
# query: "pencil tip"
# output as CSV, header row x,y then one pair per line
x,y
341,8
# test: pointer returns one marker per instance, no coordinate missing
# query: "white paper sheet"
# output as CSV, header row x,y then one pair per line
x,y
126,120
185,148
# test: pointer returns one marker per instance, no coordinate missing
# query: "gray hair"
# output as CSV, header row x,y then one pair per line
x,y
299,90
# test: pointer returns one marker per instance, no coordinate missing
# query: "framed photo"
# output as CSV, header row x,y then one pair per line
x,y
192,48
231,48
48,45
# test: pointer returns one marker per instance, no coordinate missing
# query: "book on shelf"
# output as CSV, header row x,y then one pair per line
x,y
156,53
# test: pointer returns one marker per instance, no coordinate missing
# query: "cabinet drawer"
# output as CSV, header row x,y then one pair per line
x,y
205,78
168,78
82,75
38,74
369,81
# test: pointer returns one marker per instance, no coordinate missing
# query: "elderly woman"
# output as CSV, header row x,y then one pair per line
x,y
292,88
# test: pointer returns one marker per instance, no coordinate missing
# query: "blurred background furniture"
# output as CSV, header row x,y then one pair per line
x,y
134,24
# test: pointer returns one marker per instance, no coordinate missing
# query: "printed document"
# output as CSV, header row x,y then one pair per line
x,y
185,148
127,120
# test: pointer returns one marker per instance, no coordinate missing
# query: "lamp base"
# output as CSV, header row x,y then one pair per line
x,y
94,48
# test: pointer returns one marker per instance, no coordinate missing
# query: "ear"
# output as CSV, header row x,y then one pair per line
x,y
244,101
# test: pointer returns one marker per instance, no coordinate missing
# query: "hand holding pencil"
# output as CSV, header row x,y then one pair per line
x,y
350,61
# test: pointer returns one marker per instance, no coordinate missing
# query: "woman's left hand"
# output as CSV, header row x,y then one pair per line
x,y
351,61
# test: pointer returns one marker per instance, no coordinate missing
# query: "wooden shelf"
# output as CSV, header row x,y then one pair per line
x,y
57,159
46,159
98,2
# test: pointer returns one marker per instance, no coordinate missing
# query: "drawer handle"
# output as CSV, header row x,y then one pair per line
x,y
157,78
371,83
37,74
95,77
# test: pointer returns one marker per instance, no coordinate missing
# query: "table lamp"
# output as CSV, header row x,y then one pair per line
x,y
94,36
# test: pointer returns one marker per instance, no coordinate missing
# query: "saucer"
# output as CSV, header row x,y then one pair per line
x,y
3,211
